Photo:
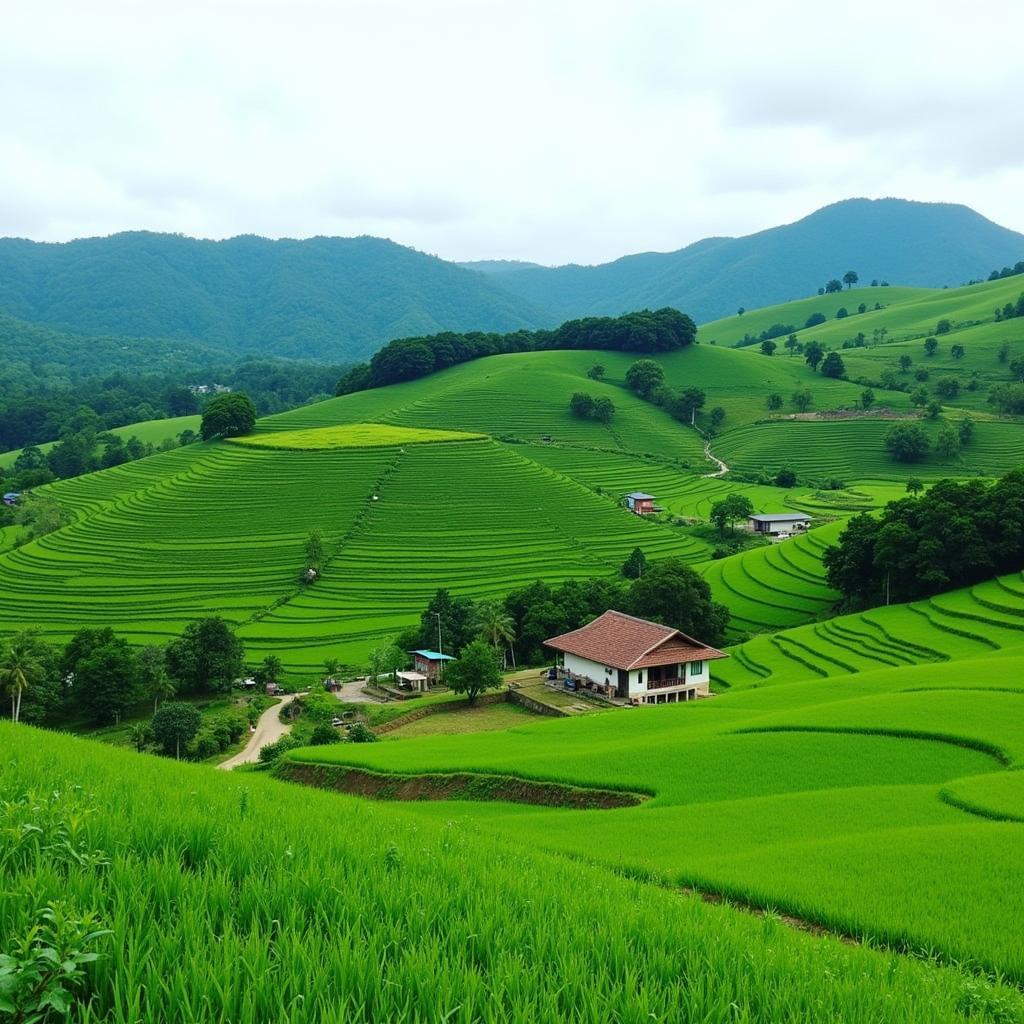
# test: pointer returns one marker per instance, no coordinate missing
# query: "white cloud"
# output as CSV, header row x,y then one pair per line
x,y
475,128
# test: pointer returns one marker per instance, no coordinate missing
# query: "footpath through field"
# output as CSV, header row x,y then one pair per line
x,y
722,467
269,729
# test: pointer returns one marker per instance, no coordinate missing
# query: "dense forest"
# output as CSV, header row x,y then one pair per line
x,y
335,299
409,358
36,407
952,535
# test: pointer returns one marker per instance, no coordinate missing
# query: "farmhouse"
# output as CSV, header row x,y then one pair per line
x,y
633,658
641,503
783,522
429,663
412,681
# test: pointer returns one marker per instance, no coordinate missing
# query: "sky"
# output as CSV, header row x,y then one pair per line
x,y
554,132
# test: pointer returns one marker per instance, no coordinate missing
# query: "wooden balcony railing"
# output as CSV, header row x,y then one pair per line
x,y
663,684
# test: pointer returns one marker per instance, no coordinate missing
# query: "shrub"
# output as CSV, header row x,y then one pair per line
x,y
360,733
324,734
907,442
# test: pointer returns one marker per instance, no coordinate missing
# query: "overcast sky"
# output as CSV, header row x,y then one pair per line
x,y
549,131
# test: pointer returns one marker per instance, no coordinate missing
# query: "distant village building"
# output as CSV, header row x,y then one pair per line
x,y
635,659
412,681
430,663
209,389
641,503
11,497
781,523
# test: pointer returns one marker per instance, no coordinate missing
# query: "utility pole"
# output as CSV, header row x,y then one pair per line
x,y
440,664
887,589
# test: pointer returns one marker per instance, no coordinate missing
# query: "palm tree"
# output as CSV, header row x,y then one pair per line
x,y
497,627
162,687
331,668
20,668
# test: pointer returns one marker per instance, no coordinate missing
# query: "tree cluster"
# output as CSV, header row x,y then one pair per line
x,y
953,535
662,330
585,407
666,591
646,378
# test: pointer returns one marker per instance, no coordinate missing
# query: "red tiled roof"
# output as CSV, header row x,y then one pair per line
x,y
626,642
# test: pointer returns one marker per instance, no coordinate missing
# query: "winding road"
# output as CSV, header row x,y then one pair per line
x,y
269,729
722,467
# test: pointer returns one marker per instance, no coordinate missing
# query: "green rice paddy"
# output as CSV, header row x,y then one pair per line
x,y
350,435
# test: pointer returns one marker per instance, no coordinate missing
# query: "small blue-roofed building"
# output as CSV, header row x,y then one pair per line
x,y
11,497
778,523
641,503
430,663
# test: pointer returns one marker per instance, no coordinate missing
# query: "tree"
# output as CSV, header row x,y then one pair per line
x,y
905,363
314,550
802,400
495,625
386,659
633,567
957,351
815,319
731,508
717,416
833,286
774,401
331,667
270,670
644,377
907,442
867,398
1002,354
850,278
919,397
933,409
842,313
670,592
175,725
476,670
785,477
947,444
813,354
581,405
454,616
228,415
740,311
965,430
596,372
686,404
914,485
604,409
153,677
943,326
947,387
768,346
21,667
931,345
833,366
792,343
106,680
207,656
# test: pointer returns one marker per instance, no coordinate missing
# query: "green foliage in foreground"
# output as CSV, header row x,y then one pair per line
x,y
229,899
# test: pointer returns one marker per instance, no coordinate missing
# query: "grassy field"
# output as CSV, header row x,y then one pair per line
x,y
843,800
148,431
350,435
229,899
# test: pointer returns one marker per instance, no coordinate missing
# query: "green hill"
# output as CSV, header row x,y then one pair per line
x,y
222,898
332,298
929,244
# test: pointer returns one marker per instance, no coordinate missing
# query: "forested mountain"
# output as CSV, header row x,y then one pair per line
x,y
931,244
327,298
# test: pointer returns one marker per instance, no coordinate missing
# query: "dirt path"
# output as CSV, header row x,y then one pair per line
x,y
269,729
722,467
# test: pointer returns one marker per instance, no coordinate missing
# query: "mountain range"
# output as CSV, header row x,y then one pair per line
x,y
341,299
903,242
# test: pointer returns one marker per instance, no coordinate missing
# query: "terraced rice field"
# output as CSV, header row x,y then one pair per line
x,y
777,586
476,518
220,528
855,450
979,621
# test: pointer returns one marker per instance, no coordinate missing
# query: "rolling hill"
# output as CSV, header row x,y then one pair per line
x,y
906,243
329,298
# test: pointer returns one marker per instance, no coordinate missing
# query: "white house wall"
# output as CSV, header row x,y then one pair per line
x,y
599,673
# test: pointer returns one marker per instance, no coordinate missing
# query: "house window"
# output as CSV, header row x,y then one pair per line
x,y
696,668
